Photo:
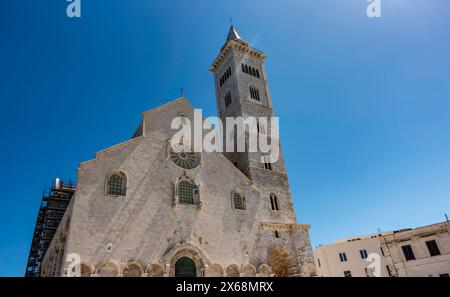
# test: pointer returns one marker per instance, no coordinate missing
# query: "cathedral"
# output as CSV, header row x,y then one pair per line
x,y
141,208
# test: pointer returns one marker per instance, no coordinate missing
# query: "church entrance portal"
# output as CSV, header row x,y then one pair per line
x,y
185,267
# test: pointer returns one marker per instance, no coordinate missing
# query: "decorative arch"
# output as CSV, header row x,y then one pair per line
x,y
116,183
86,269
189,251
264,270
248,270
280,261
108,269
132,269
214,270
155,270
232,270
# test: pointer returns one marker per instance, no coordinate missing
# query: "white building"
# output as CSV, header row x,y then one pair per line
x,y
423,251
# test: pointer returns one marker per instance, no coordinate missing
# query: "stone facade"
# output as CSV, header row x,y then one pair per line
x,y
144,230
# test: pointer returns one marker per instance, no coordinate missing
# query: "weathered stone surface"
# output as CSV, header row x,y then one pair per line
x,y
142,233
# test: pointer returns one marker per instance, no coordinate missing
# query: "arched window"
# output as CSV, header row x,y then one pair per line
x,y
238,201
186,192
274,202
116,184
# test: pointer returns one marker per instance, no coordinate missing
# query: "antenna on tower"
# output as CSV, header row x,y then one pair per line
x,y
181,92
231,21
446,217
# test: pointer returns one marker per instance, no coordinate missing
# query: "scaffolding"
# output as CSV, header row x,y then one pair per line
x,y
53,206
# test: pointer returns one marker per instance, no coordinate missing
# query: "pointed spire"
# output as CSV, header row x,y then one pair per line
x,y
233,34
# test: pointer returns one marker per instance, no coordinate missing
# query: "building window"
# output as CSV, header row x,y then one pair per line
x,y
433,248
267,163
250,70
186,192
116,184
363,254
254,93
225,76
183,156
238,201
227,99
382,251
261,128
408,252
318,262
347,273
274,202
388,270
277,235
343,257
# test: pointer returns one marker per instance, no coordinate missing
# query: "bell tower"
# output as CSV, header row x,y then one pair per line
x,y
242,90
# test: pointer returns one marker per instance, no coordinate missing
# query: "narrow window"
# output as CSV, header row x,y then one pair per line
x,y
257,73
347,273
343,257
277,235
243,68
274,202
382,251
228,99
433,248
254,93
408,252
318,262
238,201
246,69
267,163
363,254
388,270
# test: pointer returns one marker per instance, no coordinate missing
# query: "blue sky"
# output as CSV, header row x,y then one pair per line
x,y
363,103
